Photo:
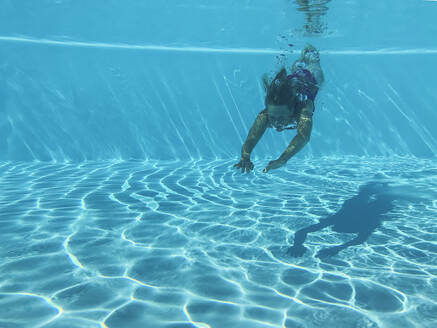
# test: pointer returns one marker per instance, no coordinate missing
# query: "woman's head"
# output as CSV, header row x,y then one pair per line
x,y
310,54
280,99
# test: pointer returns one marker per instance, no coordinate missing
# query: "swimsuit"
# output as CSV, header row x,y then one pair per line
x,y
306,84
306,88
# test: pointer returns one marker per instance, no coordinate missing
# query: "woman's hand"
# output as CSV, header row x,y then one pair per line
x,y
273,165
245,165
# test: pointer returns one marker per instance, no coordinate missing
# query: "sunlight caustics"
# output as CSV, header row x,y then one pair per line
x,y
200,248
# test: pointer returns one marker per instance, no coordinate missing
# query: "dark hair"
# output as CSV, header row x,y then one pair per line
x,y
280,90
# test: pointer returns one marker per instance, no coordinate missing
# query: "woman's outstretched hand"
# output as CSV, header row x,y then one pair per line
x,y
245,165
273,165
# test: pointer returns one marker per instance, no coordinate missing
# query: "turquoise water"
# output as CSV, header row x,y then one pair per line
x,y
120,124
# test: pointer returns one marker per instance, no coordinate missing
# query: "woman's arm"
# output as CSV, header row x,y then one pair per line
x,y
255,133
304,127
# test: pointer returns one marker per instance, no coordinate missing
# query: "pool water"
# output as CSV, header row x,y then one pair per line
x,y
120,124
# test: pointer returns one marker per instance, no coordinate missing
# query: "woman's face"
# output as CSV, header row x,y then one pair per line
x,y
279,115
311,56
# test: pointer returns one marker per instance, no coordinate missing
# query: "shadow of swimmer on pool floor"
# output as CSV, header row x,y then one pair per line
x,y
361,214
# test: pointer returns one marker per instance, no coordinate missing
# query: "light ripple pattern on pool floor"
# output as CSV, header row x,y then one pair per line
x,y
198,244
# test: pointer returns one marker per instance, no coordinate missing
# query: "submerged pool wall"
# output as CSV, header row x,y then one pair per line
x,y
82,81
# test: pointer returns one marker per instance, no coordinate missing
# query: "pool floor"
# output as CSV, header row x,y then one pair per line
x,y
198,244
